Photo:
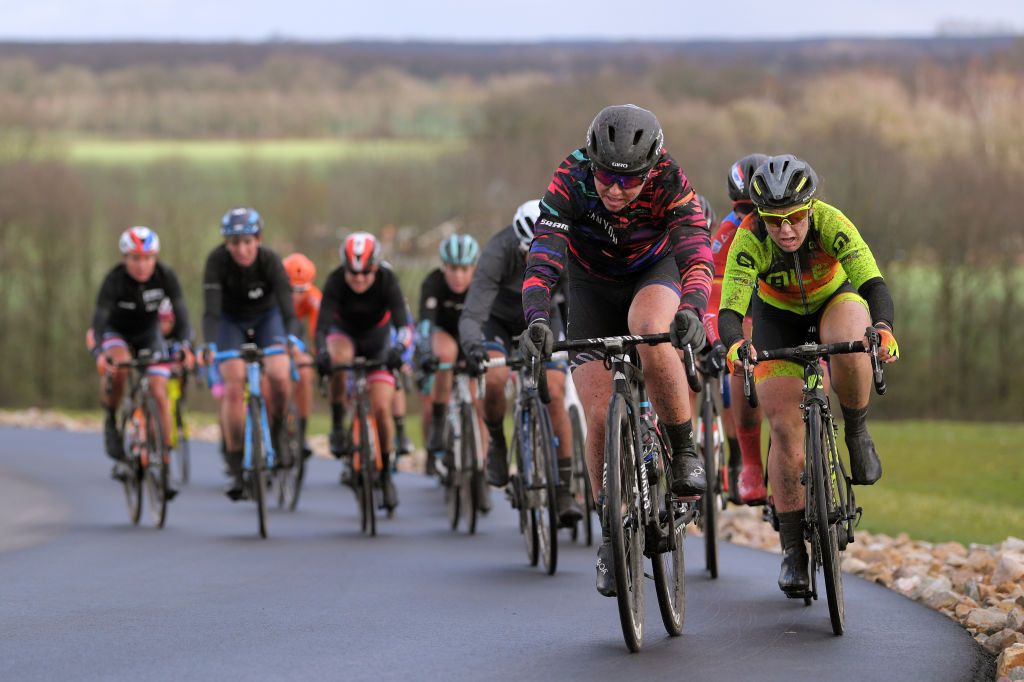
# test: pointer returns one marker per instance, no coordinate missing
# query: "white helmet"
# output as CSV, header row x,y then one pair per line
x,y
139,240
524,220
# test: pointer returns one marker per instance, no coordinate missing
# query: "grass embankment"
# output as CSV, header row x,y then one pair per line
x,y
947,481
103,151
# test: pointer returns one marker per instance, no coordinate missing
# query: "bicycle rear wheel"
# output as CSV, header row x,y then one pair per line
x,y
453,463
182,449
291,476
157,469
825,534
623,503
709,502
133,438
543,475
257,475
669,567
580,478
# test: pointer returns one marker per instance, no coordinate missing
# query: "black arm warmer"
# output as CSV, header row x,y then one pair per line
x,y
876,293
730,326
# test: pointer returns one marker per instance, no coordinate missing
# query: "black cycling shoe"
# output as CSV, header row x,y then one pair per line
x,y
347,475
340,443
112,440
569,512
236,488
497,463
435,442
688,476
865,466
605,574
405,444
307,451
389,499
793,577
120,472
483,494
171,494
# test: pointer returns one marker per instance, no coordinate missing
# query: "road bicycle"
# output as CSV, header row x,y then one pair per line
x,y
464,448
643,516
147,464
830,512
710,439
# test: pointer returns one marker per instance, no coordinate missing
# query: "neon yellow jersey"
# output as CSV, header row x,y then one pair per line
x,y
833,252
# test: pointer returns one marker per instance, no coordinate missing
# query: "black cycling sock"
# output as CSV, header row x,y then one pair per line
x,y
735,456
111,414
855,419
791,528
564,472
399,424
680,436
496,429
303,423
337,416
234,461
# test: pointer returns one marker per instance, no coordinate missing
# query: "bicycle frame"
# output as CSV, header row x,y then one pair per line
x,y
253,358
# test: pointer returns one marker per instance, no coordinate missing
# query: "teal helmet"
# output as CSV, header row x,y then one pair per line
x,y
459,249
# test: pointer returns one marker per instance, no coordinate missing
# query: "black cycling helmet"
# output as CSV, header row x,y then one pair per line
x,y
740,174
783,181
709,212
625,139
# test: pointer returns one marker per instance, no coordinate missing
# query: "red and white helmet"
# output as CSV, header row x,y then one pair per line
x,y
360,252
139,240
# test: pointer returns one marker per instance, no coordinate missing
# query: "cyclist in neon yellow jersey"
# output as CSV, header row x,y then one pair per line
x,y
816,280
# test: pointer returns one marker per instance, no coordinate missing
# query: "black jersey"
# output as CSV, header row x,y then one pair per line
x,y
379,306
128,307
245,293
439,305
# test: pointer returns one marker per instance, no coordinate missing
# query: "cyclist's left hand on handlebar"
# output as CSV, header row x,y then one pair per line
x,y
687,330
734,359
188,358
394,359
888,349
538,341
718,356
323,363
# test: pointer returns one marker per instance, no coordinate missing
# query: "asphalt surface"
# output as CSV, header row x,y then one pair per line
x,y
205,598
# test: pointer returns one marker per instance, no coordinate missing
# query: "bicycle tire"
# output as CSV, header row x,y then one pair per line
x,y
622,503
257,473
453,489
292,476
581,479
368,472
545,473
527,517
709,502
469,446
130,432
669,581
157,471
826,533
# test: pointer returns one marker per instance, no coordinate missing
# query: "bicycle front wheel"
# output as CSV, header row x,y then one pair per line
x,y
181,448
157,469
367,472
543,475
623,504
470,474
294,461
133,437
257,475
669,567
709,503
825,533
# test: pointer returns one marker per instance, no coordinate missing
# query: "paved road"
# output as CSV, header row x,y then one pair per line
x,y
96,598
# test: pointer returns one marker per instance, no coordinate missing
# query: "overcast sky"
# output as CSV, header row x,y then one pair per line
x,y
480,20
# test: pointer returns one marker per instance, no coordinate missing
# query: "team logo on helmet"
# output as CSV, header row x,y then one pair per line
x,y
737,176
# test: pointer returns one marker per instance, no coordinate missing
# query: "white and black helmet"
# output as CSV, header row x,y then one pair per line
x,y
625,139
524,220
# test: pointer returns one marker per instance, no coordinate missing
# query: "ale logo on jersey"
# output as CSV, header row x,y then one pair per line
x,y
744,259
256,293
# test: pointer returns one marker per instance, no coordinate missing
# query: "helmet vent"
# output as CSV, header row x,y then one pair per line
x,y
611,134
637,135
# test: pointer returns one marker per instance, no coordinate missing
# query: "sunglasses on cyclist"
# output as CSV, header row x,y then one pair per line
x,y
624,181
780,219
364,273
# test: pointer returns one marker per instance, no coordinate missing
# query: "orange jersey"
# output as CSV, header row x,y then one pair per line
x,y
307,309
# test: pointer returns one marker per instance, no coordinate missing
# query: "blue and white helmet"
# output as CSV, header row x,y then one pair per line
x,y
460,249
139,240
239,221
525,218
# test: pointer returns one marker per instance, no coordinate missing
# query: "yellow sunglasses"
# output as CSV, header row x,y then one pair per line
x,y
780,219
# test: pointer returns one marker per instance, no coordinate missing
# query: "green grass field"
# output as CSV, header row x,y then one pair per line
x,y
942,480
211,152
